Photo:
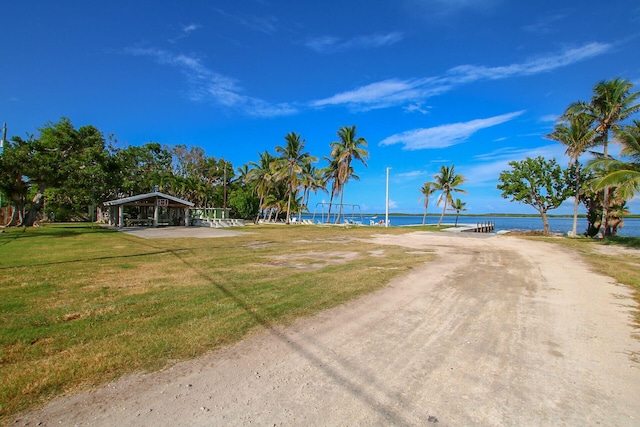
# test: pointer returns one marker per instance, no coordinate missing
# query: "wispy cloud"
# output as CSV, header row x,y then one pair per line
x,y
411,174
209,85
266,24
185,31
544,25
490,165
445,135
394,92
331,44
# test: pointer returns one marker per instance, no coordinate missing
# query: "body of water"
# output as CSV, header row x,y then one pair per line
x,y
558,225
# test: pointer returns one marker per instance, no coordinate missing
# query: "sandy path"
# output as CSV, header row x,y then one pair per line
x,y
497,331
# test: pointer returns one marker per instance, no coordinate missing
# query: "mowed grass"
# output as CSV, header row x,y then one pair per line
x,y
81,305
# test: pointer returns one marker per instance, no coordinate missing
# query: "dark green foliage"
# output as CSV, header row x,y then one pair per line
x,y
538,182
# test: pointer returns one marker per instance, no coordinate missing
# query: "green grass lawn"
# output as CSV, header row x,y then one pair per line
x,y
82,305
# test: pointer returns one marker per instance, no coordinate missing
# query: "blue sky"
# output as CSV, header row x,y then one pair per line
x,y
474,83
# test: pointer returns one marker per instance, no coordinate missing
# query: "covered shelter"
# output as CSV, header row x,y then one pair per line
x,y
151,209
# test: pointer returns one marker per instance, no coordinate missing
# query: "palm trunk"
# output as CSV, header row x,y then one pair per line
x,y
259,210
340,210
443,210
602,231
576,201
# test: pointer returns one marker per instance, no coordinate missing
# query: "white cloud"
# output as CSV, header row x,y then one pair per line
x,y
445,135
266,24
393,92
217,88
411,175
330,44
491,164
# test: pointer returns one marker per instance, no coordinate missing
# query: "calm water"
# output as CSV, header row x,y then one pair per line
x,y
558,225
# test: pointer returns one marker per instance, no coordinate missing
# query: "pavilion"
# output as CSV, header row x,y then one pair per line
x,y
152,209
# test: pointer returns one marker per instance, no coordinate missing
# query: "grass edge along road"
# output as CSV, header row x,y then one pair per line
x,y
81,306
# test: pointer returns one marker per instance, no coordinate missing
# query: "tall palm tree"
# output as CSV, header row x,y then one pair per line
x,y
611,103
575,131
348,148
310,180
447,181
289,165
329,174
458,206
261,174
427,190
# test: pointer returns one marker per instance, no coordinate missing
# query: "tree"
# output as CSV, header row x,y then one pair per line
x,y
538,182
262,177
330,174
448,182
576,133
348,148
612,102
427,190
458,206
623,175
289,165
61,157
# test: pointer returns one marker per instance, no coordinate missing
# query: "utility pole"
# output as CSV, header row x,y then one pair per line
x,y
386,215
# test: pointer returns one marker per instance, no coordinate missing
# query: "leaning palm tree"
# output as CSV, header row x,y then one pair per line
x,y
624,176
310,180
427,190
289,165
447,181
458,206
348,148
575,131
611,103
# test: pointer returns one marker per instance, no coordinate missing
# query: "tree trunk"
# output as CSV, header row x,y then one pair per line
x,y
330,203
34,209
340,209
443,210
259,210
602,231
545,223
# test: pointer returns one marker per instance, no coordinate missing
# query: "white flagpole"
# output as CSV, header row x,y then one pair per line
x,y
386,215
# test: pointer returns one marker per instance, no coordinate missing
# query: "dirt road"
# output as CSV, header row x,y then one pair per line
x,y
496,331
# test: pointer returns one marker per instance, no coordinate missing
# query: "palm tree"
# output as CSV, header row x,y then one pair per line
x,y
348,148
289,165
426,190
447,181
330,174
310,180
576,133
611,103
261,174
458,206
624,176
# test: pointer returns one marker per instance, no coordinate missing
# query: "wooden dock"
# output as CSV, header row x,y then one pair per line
x,y
480,227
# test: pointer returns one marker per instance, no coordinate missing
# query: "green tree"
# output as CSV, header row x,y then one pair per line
x,y
576,133
348,148
448,182
262,177
289,166
61,157
612,102
458,206
624,176
538,182
427,190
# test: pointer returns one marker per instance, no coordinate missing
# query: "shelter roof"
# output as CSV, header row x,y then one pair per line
x,y
147,198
